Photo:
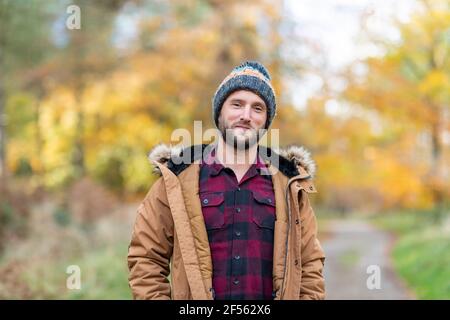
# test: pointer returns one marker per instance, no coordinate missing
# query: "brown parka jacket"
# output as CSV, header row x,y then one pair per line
x,y
169,235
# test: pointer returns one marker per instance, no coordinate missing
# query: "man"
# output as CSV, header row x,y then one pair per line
x,y
224,220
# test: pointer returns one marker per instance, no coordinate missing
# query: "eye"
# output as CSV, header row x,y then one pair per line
x,y
258,108
236,104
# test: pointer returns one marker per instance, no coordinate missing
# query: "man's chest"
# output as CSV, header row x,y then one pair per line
x,y
246,206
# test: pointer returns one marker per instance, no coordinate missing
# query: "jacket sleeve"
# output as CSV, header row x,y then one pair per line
x,y
313,257
151,247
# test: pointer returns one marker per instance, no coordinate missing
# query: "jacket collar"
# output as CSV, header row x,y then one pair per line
x,y
291,161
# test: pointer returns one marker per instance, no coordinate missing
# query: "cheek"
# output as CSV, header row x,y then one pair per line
x,y
259,119
232,115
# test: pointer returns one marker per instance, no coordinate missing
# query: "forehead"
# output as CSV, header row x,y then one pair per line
x,y
245,95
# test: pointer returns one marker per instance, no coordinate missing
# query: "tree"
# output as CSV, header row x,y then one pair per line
x,y
410,85
23,44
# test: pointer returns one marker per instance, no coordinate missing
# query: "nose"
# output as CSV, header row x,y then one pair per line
x,y
246,113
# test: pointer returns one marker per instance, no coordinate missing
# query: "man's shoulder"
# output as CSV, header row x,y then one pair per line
x,y
157,192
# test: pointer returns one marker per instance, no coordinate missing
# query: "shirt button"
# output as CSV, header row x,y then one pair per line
x,y
269,200
238,189
205,201
238,233
238,209
236,281
237,257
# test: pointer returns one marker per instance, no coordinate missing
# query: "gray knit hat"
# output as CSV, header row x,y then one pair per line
x,y
250,75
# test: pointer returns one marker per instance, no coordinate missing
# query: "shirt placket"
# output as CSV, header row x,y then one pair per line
x,y
236,249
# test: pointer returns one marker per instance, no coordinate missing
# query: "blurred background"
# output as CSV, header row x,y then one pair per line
x,y
85,94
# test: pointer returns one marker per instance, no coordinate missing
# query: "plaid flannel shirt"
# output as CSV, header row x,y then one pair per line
x,y
239,219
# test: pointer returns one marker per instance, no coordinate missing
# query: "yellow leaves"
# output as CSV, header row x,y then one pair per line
x,y
249,20
370,153
58,109
114,118
137,174
401,185
209,38
373,176
335,169
16,152
436,85
407,89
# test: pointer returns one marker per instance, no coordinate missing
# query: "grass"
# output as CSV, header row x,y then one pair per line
x,y
103,276
421,254
37,267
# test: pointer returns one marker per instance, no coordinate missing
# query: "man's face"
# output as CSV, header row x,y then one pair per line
x,y
242,115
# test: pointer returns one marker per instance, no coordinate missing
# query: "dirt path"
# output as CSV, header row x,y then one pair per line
x,y
352,247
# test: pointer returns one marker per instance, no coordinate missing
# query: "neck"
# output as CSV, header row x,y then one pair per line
x,y
235,158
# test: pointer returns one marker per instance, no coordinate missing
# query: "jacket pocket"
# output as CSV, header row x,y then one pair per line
x,y
213,210
263,212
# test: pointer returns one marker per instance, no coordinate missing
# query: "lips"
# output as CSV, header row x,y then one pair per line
x,y
241,126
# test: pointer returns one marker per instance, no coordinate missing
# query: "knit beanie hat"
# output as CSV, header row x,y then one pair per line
x,y
250,75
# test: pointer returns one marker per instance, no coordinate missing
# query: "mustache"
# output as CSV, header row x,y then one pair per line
x,y
240,124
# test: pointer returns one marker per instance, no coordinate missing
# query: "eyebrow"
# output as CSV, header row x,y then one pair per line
x,y
254,103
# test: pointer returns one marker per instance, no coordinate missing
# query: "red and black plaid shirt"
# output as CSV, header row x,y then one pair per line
x,y
239,218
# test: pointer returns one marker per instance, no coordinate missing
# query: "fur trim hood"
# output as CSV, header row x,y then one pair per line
x,y
288,161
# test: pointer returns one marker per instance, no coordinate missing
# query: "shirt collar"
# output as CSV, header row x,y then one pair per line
x,y
215,167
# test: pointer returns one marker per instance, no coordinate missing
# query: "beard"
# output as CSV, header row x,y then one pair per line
x,y
240,141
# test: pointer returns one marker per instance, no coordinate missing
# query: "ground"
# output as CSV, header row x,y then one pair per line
x,y
351,247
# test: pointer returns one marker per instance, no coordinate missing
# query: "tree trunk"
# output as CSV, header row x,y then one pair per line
x,y
2,135
79,158
39,171
436,173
